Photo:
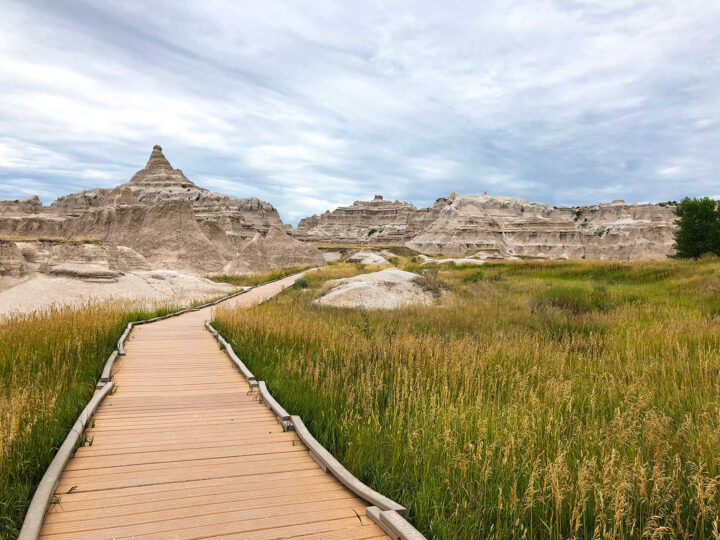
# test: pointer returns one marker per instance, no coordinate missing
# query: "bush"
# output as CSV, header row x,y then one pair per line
x,y
429,282
301,283
698,229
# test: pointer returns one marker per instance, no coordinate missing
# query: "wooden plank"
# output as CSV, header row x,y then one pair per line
x,y
183,448
216,523
186,493
199,507
166,490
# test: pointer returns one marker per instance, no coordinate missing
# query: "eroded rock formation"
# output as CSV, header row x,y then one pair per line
x,y
502,227
12,262
370,222
159,213
388,289
276,250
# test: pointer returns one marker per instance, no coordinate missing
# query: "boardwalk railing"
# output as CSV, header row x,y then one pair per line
x,y
384,512
43,495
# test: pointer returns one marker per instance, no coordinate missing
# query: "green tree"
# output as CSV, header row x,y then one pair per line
x,y
698,229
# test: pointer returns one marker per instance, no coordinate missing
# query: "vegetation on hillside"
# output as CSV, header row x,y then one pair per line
x,y
538,400
698,228
49,365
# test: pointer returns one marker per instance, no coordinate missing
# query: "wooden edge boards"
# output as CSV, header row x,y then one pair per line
x,y
211,329
340,472
393,524
121,341
239,363
46,488
280,412
251,379
107,370
42,498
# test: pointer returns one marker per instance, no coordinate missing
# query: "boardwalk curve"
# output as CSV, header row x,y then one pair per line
x,y
185,446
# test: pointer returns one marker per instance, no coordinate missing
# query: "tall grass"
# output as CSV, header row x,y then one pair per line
x,y
49,364
539,400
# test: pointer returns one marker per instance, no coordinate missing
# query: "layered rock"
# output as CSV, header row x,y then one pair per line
x,y
502,227
275,250
28,205
159,213
370,222
113,259
12,262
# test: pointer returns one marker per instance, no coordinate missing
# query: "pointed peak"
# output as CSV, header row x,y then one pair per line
x,y
157,160
159,173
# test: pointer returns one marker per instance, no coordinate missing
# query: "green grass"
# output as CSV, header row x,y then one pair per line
x,y
257,278
49,365
538,400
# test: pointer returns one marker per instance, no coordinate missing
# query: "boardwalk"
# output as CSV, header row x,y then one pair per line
x,y
183,449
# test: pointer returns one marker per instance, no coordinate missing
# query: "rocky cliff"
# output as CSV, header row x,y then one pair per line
x,y
159,213
368,222
502,227
276,250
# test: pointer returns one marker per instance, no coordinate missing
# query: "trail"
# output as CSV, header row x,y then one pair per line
x,y
183,449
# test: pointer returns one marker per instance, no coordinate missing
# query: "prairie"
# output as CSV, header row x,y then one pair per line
x,y
536,400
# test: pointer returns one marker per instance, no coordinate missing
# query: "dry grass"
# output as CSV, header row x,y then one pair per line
x,y
540,400
49,364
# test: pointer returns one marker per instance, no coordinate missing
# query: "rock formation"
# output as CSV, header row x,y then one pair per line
x,y
159,213
275,250
388,289
367,257
38,274
369,222
502,227
12,262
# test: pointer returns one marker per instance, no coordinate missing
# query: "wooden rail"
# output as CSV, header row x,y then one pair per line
x,y
181,446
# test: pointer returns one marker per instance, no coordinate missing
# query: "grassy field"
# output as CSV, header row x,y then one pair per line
x,y
49,364
257,278
536,400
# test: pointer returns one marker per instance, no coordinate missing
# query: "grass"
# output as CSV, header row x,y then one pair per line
x,y
257,278
538,400
49,365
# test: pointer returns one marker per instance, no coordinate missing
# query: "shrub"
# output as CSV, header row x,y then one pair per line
x,y
698,229
429,282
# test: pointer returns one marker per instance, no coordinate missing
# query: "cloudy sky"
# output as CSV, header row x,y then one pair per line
x,y
311,105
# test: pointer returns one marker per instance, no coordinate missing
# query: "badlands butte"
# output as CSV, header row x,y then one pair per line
x,y
159,236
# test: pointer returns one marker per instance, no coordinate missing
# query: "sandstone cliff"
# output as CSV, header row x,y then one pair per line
x,y
371,222
275,250
159,213
502,227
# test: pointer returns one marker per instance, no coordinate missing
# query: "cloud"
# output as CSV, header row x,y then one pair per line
x,y
314,105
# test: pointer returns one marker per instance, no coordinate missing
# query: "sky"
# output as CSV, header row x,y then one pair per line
x,y
312,105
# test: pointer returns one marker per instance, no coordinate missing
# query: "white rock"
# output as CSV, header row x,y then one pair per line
x,y
388,289
367,257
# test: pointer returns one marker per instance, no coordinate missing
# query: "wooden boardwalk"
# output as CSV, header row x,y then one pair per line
x,y
183,449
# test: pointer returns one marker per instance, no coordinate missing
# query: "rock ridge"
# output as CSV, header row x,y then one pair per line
x,y
502,227
159,212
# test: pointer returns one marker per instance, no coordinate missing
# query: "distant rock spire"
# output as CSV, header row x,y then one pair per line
x,y
159,173
158,161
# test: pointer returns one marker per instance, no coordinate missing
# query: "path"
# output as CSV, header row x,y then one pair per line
x,y
182,449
